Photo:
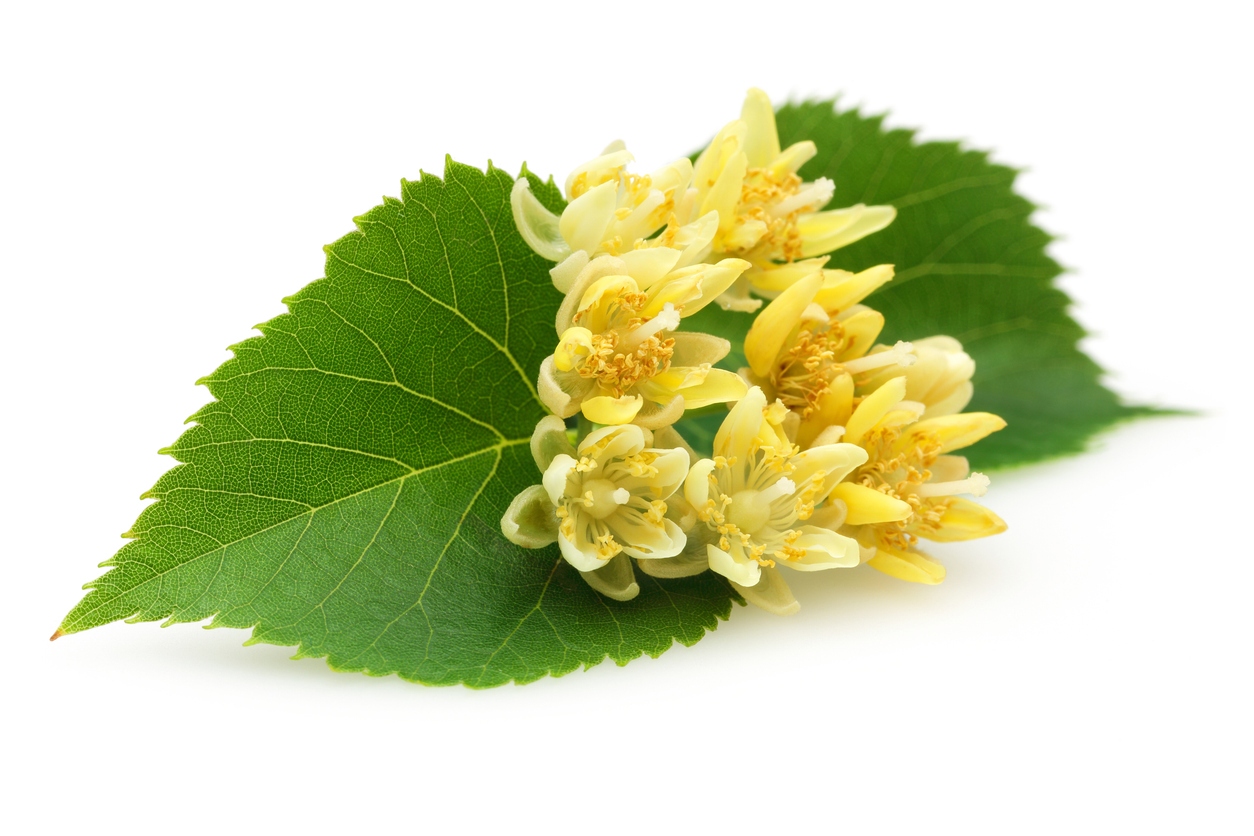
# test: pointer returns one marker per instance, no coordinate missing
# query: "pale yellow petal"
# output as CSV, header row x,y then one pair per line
x,y
735,565
728,142
530,520
693,348
866,505
741,425
953,431
862,327
771,593
596,269
823,232
833,408
874,407
548,440
773,326
793,157
613,442
715,279
586,219
719,386
654,415
965,520
683,565
725,193
907,566
761,138
835,461
824,549
615,580
556,477
775,278
605,409
842,290
538,226
552,395
565,273
697,485
949,469
648,265
598,170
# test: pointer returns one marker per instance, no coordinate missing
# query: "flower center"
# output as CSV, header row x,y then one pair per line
x,y
601,497
750,510
618,363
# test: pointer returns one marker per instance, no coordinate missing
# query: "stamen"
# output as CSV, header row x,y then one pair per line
x,y
782,487
976,484
815,196
902,354
667,320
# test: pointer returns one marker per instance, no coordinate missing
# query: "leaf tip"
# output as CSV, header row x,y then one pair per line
x,y
58,634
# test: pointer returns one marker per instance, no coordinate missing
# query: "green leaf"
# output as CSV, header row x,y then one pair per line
x,y
970,264
344,492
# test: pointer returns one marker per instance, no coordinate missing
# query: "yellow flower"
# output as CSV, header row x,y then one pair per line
x,y
612,212
766,214
808,347
602,503
909,486
619,358
940,380
751,499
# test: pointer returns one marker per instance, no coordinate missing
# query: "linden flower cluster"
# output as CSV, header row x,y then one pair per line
x,y
836,449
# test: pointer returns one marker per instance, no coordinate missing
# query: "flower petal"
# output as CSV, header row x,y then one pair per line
x,y
772,327
736,566
586,219
908,566
761,139
537,225
867,506
551,392
697,485
822,232
965,520
719,386
648,265
530,520
606,409
693,348
842,290
616,579
953,431
613,442
874,407
741,424
683,565
548,440
825,549
565,273
771,593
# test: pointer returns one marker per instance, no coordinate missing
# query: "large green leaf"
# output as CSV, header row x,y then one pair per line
x,y
970,264
344,492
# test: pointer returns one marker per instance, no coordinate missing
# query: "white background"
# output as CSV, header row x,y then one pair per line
x,y
171,171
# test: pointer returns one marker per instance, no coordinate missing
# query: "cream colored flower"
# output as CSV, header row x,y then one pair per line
x,y
940,380
602,503
619,358
750,498
808,347
909,487
766,214
613,212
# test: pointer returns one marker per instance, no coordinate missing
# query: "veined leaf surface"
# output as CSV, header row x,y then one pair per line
x,y
344,492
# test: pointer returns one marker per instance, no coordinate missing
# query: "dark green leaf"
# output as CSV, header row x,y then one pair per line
x,y
344,491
